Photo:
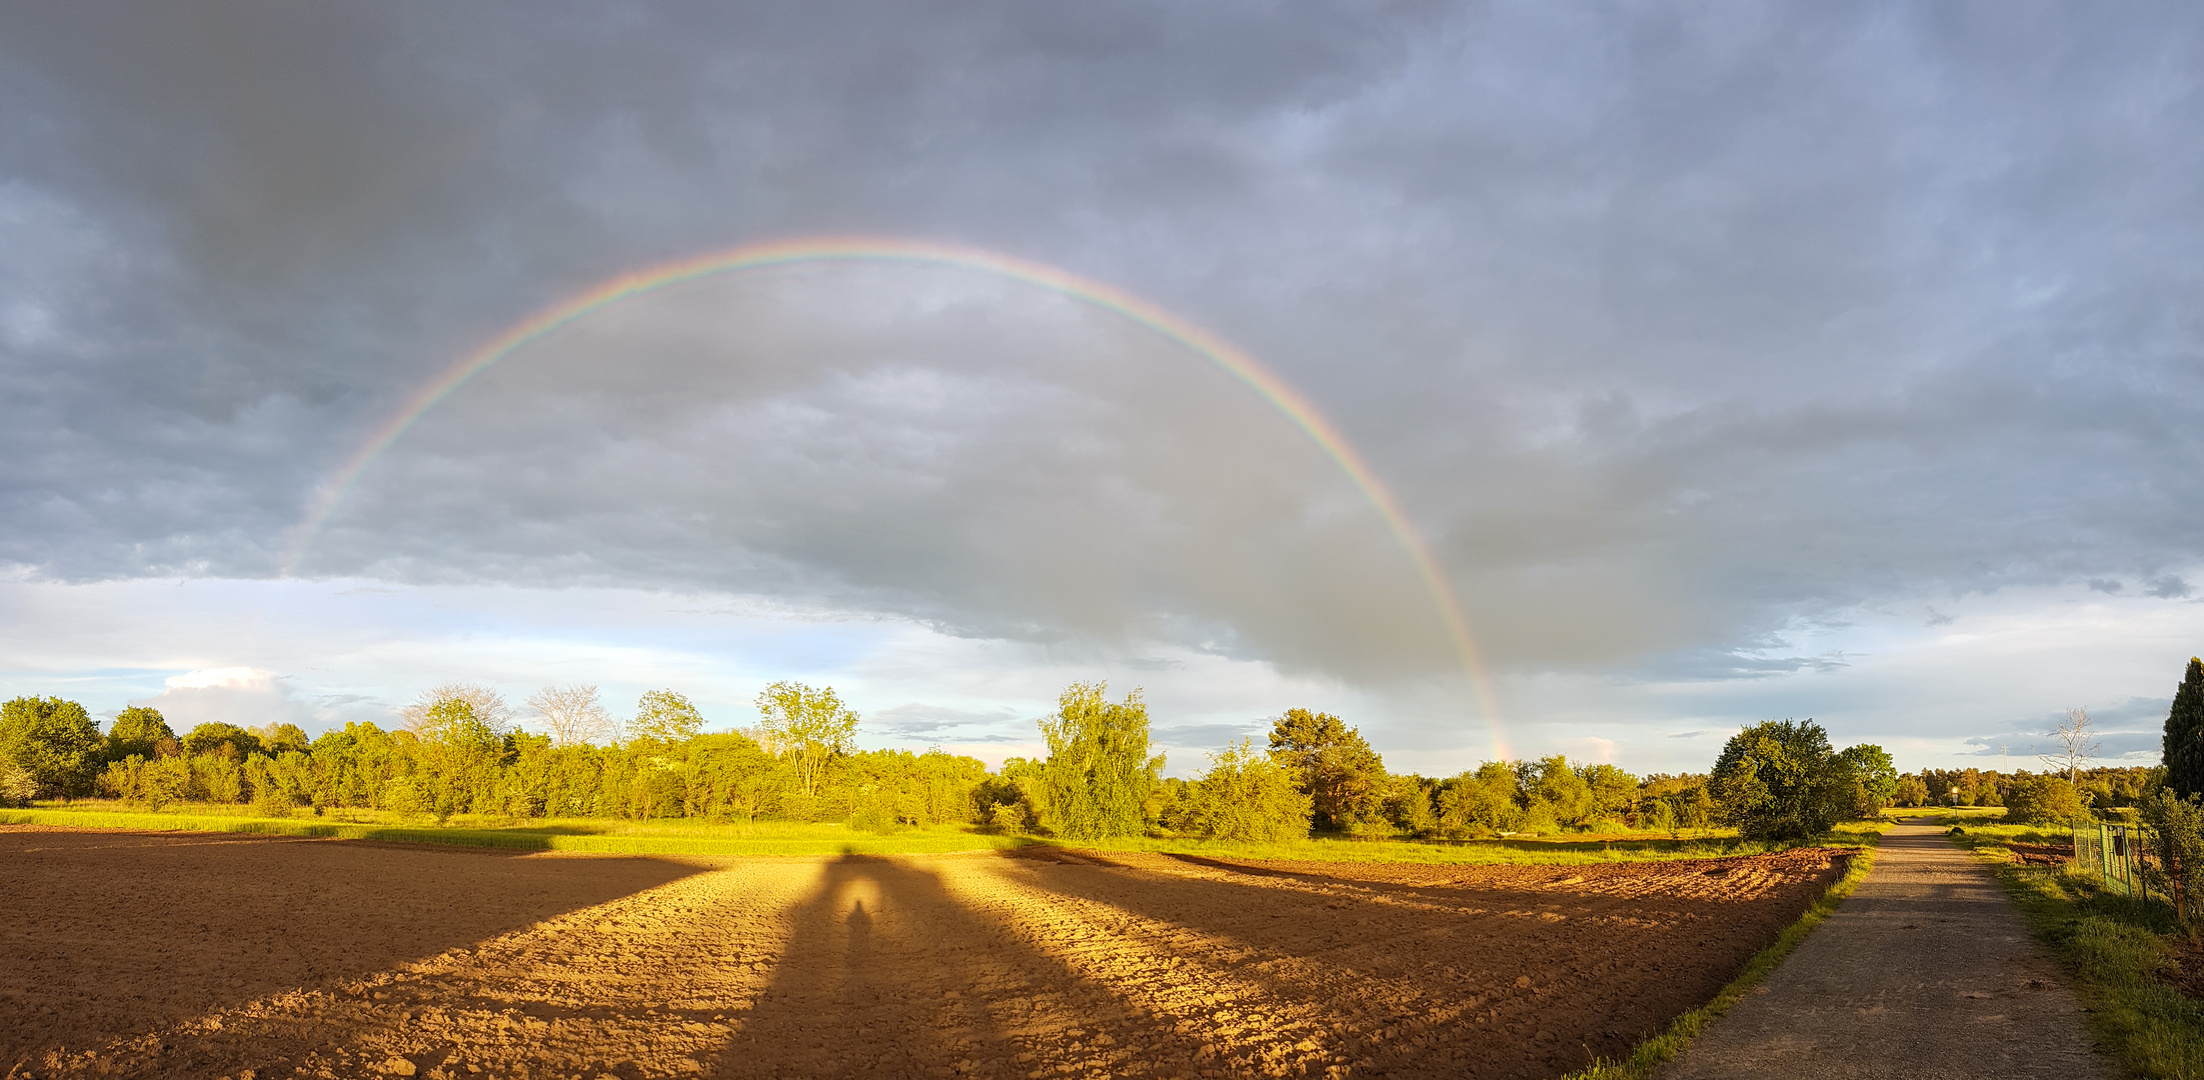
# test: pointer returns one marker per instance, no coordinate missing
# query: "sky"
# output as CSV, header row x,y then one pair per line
x,y
1722,364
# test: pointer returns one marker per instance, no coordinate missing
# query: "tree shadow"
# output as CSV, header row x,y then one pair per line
x,y
109,934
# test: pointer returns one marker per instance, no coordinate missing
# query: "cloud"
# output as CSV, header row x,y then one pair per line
x,y
1208,736
917,722
246,697
1672,334
2168,588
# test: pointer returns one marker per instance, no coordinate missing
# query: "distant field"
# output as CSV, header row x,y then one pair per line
x,y
688,837
1946,815
580,835
1563,850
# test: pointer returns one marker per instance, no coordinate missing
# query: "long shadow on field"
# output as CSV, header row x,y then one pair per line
x,y
111,933
887,974
1487,981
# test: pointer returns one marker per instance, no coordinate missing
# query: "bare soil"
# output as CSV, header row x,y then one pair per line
x,y
2042,854
194,955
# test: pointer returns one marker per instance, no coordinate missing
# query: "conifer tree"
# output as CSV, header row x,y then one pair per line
x,y
2184,746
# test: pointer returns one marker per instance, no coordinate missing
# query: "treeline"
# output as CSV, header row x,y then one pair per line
x,y
2101,786
458,754
459,751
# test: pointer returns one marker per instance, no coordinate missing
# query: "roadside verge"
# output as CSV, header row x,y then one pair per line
x,y
2115,948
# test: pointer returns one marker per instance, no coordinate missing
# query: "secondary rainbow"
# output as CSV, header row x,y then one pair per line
x,y
1234,360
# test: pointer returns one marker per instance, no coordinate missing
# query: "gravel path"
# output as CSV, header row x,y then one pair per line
x,y
1927,971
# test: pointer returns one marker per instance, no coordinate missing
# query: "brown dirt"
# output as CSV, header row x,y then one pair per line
x,y
158,954
2043,854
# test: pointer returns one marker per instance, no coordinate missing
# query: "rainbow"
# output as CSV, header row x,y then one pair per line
x,y
1234,360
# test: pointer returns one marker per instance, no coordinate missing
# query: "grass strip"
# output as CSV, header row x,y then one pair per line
x,y
1656,1051
1567,850
522,839
2114,946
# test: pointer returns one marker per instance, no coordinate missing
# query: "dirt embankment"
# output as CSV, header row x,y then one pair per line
x,y
181,955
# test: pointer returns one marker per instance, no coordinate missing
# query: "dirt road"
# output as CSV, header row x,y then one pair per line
x,y
1925,972
205,956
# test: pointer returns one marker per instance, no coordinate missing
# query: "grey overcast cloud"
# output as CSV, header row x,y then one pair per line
x,y
1734,362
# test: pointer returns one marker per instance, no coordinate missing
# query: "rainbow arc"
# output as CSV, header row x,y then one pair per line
x,y
1232,359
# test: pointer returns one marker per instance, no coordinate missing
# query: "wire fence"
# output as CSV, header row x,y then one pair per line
x,y
2121,856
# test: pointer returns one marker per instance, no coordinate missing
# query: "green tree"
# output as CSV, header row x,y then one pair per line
x,y
667,717
276,739
1098,773
1555,794
1911,791
137,731
2184,745
55,742
213,735
1343,777
1247,796
810,727
1779,780
460,754
1613,790
1482,800
2043,800
1874,778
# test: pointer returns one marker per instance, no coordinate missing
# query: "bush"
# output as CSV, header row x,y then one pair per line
x,y
55,741
2043,800
1247,796
17,786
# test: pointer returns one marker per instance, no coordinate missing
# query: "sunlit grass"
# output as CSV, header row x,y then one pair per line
x,y
689,836
2114,945
1560,850
675,837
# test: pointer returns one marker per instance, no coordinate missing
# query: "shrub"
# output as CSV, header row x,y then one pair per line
x,y
17,786
55,741
2043,800
2179,835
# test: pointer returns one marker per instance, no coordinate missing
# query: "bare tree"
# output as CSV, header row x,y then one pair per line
x,y
573,714
488,705
2079,745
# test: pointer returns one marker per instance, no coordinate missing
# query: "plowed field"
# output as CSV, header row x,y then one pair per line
x,y
196,955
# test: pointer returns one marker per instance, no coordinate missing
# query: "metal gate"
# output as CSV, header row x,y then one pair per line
x,y
2115,852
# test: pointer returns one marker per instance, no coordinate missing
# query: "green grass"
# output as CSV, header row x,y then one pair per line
x,y
1562,850
585,835
1656,1051
683,836
2113,945
1947,815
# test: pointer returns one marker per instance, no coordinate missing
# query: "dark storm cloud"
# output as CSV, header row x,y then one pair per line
x,y
1676,333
